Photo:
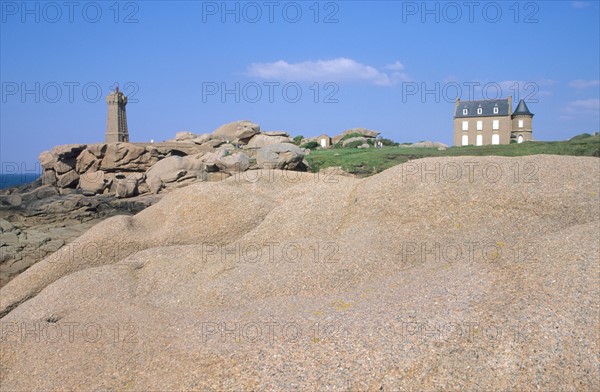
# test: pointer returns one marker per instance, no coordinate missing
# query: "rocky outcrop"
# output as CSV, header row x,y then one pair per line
x,y
208,141
183,136
127,169
362,140
126,157
226,160
59,164
268,138
94,182
173,169
366,133
37,222
237,131
205,137
283,156
93,168
127,185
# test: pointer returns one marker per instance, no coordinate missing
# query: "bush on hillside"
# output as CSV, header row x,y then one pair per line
x,y
340,142
310,145
581,136
354,144
388,142
351,135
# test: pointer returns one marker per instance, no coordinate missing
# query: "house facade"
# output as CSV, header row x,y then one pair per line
x,y
486,122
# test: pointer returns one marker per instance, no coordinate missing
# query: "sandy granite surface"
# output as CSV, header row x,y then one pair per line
x,y
456,273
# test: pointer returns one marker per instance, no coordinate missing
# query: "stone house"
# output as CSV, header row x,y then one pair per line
x,y
324,141
491,121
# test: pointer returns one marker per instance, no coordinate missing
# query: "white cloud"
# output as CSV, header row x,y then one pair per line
x,y
580,4
336,70
580,83
397,66
582,106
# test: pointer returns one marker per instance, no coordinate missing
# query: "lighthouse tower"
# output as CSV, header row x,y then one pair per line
x,y
116,119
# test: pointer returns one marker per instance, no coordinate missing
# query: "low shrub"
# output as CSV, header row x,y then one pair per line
x,y
298,139
311,145
353,144
388,142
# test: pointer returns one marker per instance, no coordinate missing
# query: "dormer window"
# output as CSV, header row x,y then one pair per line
x,y
465,112
479,110
496,110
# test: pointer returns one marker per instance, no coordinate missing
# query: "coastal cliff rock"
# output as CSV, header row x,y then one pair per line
x,y
127,169
267,138
238,131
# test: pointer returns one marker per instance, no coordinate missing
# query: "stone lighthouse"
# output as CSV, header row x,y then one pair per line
x,y
116,119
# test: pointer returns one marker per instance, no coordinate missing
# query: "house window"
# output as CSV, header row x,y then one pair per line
x,y
495,138
479,110
479,125
465,126
465,140
465,112
520,139
520,123
479,140
496,124
496,110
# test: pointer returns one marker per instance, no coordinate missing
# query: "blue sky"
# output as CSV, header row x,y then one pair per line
x,y
303,67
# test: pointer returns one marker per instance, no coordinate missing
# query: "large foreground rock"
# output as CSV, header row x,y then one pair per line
x,y
401,281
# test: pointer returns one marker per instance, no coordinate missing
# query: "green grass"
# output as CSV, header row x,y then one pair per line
x,y
365,162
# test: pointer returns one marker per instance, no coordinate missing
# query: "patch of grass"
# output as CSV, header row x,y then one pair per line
x,y
365,162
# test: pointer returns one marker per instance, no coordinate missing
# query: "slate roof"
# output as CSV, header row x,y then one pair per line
x,y
522,109
487,107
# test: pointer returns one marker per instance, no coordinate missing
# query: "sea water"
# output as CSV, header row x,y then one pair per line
x,y
11,180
